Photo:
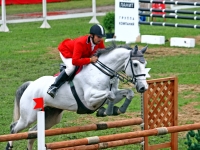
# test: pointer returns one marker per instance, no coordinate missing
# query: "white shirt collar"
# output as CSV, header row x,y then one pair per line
x,y
92,44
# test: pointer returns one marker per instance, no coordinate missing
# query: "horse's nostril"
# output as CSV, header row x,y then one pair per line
x,y
142,90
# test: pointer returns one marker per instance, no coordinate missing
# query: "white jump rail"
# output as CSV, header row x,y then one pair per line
x,y
174,7
3,22
3,27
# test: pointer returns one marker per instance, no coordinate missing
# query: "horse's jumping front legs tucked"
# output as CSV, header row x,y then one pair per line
x,y
114,110
96,97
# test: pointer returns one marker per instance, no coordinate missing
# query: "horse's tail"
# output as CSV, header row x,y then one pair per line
x,y
18,95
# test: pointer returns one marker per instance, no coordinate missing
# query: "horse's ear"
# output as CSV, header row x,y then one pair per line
x,y
135,49
143,50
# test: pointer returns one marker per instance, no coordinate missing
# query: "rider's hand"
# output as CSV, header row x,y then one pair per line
x,y
93,59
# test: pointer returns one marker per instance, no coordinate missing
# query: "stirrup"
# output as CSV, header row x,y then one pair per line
x,y
52,91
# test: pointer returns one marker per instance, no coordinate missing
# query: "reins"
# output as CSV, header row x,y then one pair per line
x,y
109,72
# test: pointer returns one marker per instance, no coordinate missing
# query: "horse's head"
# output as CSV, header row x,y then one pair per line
x,y
135,68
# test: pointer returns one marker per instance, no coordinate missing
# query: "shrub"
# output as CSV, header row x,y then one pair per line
x,y
109,22
193,140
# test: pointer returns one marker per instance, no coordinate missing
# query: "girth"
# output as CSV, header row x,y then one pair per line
x,y
82,109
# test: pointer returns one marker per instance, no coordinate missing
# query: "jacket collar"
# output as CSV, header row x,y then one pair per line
x,y
88,40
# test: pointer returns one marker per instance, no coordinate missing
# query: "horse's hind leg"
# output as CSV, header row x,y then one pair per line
x,y
21,124
9,145
15,128
52,117
16,110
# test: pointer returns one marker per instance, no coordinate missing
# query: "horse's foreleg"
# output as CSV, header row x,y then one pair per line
x,y
120,94
96,97
102,112
114,110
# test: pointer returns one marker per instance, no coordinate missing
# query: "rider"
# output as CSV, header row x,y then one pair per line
x,y
78,52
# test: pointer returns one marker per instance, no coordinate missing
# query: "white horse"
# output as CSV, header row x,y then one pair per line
x,y
95,85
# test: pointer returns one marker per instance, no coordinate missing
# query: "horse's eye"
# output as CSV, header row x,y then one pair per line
x,y
135,64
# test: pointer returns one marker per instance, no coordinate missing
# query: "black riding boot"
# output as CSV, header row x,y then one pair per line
x,y
60,80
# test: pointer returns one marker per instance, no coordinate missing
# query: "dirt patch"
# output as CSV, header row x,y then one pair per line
x,y
166,51
23,51
54,53
153,52
197,39
189,114
193,88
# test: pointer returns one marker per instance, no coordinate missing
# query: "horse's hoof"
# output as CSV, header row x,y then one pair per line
x,y
115,111
8,146
101,112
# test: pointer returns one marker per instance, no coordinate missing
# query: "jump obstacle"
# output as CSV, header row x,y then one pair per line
x,y
159,113
45,24
171,2
127,16
122,136
59,131
170,11
159,116
105,145
45,17
170,16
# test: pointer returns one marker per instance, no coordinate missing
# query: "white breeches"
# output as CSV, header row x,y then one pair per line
x,y
68,62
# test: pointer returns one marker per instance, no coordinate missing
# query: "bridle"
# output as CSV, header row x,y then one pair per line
x,y
134,56
125,79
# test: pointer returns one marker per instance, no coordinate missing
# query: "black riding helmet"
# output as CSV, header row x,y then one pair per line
x,y
97,30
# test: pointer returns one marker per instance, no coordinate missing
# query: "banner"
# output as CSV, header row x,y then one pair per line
x,y
126,20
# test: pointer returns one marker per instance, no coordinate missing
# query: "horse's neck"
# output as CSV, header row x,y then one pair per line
x,y
115,59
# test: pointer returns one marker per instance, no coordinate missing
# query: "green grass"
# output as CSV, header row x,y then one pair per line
x,y
188,68
28,52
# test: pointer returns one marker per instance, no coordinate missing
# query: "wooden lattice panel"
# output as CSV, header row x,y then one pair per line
x,y
160,109
160,104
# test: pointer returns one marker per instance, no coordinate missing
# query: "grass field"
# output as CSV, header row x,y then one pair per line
x,y
28,52
74,4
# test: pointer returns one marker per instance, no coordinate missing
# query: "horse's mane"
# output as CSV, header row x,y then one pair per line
x,y
110,48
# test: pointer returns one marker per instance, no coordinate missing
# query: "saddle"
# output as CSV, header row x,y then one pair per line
x,y
73,74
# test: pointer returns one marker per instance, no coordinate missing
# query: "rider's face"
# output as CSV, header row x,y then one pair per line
x,y
97,39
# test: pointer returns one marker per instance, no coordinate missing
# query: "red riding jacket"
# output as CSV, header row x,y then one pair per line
x,y
79,49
